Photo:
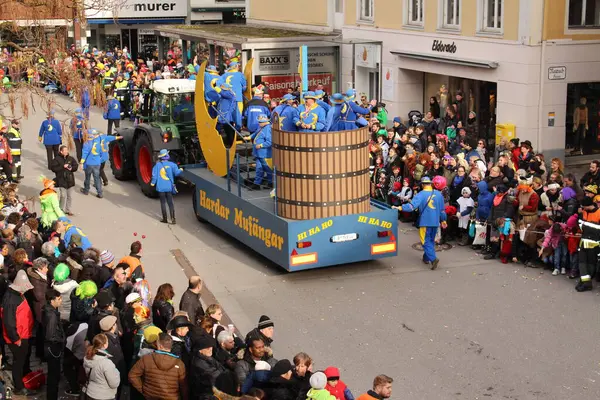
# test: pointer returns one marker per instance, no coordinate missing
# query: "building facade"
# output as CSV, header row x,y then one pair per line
x,y
522,62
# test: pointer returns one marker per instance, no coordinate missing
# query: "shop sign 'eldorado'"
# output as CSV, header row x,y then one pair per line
x,y
140,9
442,47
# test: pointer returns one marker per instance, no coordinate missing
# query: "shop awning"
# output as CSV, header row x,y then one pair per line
x,y
467,62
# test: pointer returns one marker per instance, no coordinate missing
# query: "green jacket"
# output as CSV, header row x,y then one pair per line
x,y
50,207
322,394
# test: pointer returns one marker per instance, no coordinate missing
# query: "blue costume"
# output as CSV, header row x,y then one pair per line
x,y
287,115
163,176
104,145
211,91
77,128
262,151
356,109
51,132
254,108
237,80
227,106
314,116
113,109
319,95
86,103
430,204
91,159
73,230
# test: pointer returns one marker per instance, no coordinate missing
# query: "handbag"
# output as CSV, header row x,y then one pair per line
x,y
480,233
34,380
472,229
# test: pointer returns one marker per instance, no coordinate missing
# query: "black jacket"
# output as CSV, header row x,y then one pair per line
x,y
203,374
280,389
226,358
103,274
302,384
190,303
181,348
162,312
65,178
94,323
53,328
114,349
590,179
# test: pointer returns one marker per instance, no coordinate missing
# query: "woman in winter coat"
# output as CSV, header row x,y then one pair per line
x,y
49,203
434,107
569,204
162,307
460,181
103,377
24,237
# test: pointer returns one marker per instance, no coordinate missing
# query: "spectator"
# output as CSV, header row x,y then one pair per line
x,y
224,350
104,307
592,177
254,353
102,377
204,369
64,285
37,275
64,167
109,325
106,271
264,331
116,285
280,385
162,307
382,389
190,301
135,269
179,327
318,381
54,341
335,386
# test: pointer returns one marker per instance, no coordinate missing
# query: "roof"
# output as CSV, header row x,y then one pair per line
x,y
238,34
168,86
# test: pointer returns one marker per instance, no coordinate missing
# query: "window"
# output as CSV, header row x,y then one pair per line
x,y
415,12
492,15
366,10
451,14
584,14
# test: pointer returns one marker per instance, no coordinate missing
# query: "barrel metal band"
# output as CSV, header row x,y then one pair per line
x,y
324,204
321,149
320,177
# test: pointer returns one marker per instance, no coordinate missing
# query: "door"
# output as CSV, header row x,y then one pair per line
x,y
338,19
374,85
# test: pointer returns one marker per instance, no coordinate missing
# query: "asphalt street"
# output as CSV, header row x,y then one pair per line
x,y
472,329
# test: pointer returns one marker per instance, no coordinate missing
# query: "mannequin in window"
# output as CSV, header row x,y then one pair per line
x,y
580,124
443,95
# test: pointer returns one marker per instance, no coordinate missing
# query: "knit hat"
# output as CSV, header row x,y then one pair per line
x,y
132,297
382,132
202,341
61,272
318,380
398,120
104,298
501,188
265,322
572,221
397,186
332,372
106,257
21,283
282,367
555,186
465,190
515,141
151,334
262,366
589,188
107,323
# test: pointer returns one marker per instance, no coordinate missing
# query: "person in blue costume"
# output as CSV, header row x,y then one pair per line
x,y
358,113
71,230
287,113
311,117
112,114
237,80
91,160
227,110
184,111
211,90
77,127
254,108
86,103
262,152
337,117
51,136
104,145
430,204
164,174
320,94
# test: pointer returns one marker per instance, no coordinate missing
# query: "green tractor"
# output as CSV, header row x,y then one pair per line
x,y
167,121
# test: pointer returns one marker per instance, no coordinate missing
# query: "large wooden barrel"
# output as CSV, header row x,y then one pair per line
x,y
321,174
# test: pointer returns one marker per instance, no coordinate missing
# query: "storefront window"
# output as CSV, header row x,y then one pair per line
x,y
583,119
112,41
584,14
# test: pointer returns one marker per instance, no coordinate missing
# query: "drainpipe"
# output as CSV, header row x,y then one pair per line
x,y
542,80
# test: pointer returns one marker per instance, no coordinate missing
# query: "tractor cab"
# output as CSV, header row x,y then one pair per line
x,y
169,101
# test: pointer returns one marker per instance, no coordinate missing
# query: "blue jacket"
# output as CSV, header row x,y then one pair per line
x,y
104,141
51,132
113,108
72,230
77,129
263,137
210,80
253,109
358,109
226,107
431,212
237,80
484,201
92,152
315,117
163,176
287,115
325,106
85,99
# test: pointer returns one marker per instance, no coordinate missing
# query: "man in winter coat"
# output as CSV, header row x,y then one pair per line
x,y
51,136
54,341
17,326
77,128
190,301
592,177
262,152
254,352
382,389
91,159
15,143
430,204
164,174
112,114
64,167
204,369
6,159
109,325
484,202
263,331
160,375
38,277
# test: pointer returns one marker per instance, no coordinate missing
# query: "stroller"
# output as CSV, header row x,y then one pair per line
x,y
414,118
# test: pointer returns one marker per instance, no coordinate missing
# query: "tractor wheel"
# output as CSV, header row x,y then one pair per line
x,y
144,162
195,205
121,163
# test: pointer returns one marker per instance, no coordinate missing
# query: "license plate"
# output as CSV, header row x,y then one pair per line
x,y
347,237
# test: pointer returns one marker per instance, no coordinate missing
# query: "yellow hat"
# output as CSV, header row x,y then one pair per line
x,y
591,188
151,334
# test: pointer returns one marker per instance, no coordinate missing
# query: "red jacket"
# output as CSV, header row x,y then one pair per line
x,y
5,153
17,318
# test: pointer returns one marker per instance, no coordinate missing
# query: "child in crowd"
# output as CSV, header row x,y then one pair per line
x,y
506,230
573,236
395,176
554,246
394,194
465,207
335,386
